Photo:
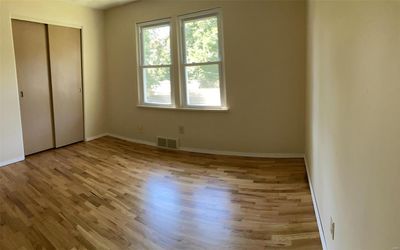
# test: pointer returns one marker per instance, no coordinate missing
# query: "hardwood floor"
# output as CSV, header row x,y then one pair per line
x,y
113,194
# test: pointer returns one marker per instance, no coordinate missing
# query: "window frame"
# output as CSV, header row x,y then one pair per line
x,y
183,64
141,66
177,65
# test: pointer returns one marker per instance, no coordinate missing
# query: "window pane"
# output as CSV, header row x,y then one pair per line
x,y
203,85
156,45
201,40
157,85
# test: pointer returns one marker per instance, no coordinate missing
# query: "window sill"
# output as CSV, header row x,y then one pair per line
x,y
220,109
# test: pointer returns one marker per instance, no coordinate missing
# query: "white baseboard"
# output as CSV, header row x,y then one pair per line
x,y
187,149
246,154
95,137
317,214
216,152
8,162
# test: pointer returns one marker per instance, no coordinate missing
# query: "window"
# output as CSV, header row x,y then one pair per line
x,y
155,63
200,83
202,60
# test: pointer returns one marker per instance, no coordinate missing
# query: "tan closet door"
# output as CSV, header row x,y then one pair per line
x,y
66,78
30,45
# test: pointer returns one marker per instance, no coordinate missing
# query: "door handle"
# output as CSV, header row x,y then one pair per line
x,y
21,93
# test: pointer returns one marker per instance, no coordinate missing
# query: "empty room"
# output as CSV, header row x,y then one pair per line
x,y
199,124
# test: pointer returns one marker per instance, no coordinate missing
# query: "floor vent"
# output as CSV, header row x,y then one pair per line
x,y
162,142
167,142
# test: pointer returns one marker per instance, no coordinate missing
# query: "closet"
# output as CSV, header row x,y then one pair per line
x,y
49,74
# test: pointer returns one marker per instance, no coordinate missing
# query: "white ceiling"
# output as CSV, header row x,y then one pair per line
x,y
100,4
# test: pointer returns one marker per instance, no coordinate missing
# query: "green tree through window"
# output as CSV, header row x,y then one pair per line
x,y
201,43
157,60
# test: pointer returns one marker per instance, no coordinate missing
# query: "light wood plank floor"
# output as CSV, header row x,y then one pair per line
x,y
113,194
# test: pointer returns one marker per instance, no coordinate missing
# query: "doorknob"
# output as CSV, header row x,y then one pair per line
x,y
21,93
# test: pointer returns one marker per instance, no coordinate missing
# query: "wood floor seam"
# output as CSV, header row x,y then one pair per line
x,y
112,194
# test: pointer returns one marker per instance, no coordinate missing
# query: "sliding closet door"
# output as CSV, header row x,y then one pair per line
x,y
66,78
30,45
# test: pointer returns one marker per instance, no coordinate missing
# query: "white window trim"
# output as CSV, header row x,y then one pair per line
x,y
180,86
183,64
141,66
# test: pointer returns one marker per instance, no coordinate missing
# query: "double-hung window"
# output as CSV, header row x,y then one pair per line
x,y
155,63
201,67
200,82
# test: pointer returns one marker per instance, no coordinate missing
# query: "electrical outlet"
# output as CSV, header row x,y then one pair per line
x,y
140,128
181,129
332,228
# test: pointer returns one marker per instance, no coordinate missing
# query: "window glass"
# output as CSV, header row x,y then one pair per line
x,y
156,64
201,40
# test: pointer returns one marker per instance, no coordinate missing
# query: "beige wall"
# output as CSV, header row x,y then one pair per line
x,y
265,78
56,12
353,121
